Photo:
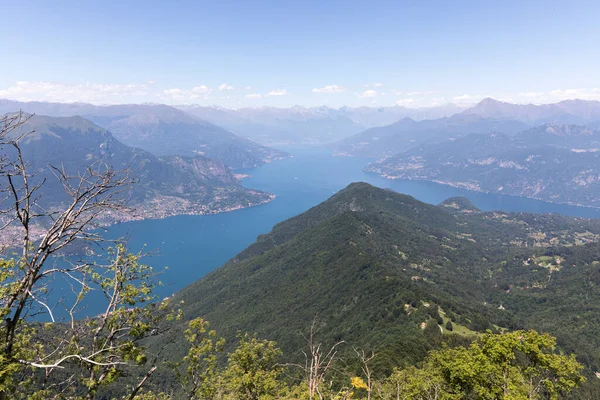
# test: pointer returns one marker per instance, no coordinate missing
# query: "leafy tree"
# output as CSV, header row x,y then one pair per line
x,y
425,383
449,326
433,330
198,371
252,371
516,365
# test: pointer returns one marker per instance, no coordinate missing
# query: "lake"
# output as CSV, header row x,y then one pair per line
x,y
192,246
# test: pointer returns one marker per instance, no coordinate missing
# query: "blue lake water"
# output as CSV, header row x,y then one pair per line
x,y
192,246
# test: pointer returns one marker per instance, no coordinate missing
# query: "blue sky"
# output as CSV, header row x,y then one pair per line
x,y
281,53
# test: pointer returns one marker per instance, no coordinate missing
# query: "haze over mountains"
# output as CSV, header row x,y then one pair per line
x,y
565,112
487,116
438,144
161,130
312,125
169,130
407,133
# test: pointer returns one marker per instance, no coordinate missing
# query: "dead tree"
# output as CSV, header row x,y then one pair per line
x,y
365,359
318,363
99,344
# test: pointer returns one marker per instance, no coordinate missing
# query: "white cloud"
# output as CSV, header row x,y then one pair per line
x,y
184,95
225,86
172,92
422,93
248,87
405,102
278,92
467,99
85,92
569,94
368,93
254,96
552,96
420,101
202,89
378,84
330,89
530,95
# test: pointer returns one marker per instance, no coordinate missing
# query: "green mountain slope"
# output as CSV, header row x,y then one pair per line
x,y
166,185
375,267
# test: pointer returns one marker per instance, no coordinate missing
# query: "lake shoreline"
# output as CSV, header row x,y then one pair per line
x,y
476,190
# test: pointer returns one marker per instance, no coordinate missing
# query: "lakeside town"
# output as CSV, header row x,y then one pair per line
x,y
159,207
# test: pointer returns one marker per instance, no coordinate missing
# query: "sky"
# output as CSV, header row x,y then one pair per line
x,y
310,53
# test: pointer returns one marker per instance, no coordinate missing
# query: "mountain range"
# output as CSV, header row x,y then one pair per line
x,y
217,132
553,162
487,116
564,112
161,130
407,133
166,185
313,125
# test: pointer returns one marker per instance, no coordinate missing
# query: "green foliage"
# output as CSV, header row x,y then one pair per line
x,y
198,371
252,371
374,266
367,261
98,350
516,365
519,365
415,383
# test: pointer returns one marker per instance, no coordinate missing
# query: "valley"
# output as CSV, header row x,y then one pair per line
x,y
401,266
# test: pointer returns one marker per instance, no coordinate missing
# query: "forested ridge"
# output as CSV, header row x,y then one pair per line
x,y
385,272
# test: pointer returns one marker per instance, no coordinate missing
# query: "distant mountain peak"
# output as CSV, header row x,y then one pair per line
x,y
490,101
406,121
488,106
576,111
